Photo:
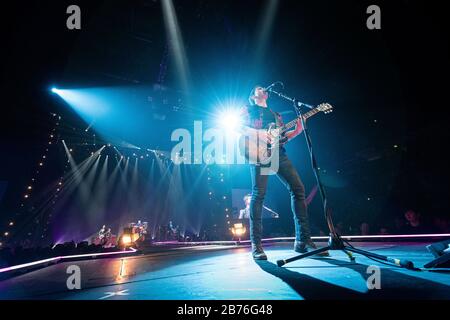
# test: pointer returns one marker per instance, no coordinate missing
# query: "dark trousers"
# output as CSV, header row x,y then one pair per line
x,y
290,178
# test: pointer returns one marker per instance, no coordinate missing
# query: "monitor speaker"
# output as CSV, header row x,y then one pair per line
x,y
441,253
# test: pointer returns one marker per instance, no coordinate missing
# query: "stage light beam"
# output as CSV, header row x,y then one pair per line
x,y
176,41
87,103
265,29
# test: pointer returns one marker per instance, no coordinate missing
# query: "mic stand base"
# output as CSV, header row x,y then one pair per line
x,y
336,243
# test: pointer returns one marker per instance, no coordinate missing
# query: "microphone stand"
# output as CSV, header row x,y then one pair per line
x,y
335,242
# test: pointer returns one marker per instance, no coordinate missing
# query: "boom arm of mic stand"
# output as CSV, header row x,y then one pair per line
x,y
293,100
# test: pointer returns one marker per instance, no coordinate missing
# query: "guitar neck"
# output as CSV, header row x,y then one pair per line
x,y
307,115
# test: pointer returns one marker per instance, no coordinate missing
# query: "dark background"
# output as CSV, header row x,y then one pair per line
x,y
322,51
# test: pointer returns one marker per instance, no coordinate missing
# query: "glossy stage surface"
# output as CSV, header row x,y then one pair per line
x,y
229,272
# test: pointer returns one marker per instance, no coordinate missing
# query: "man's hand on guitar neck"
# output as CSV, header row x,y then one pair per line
x,y
293,133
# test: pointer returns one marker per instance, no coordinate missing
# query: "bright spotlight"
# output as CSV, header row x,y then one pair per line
x,y
54,90
230,120
238,230
126,240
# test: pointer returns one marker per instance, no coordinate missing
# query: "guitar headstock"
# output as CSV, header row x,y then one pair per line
x,y
325,108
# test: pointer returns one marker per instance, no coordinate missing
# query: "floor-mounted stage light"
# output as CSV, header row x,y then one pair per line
x,y
238,230
128,238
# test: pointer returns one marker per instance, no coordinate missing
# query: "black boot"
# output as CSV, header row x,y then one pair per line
x,y
307,246
258,252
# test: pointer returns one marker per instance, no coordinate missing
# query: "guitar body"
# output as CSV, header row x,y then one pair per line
x,y
253,148
255,151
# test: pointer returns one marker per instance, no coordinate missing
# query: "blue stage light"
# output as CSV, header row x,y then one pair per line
x,y
229,120
88,103
113,112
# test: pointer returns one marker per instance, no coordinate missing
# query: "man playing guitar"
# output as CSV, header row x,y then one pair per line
x,y
258,116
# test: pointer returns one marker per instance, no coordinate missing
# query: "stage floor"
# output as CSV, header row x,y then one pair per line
x,y
229,272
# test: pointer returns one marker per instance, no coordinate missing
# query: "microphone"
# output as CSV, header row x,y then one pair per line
x,y
274,214
269,88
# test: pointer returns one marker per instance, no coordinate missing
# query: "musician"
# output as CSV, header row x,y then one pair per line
x,y
172,231
106,237
258,115
245,213
101,233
